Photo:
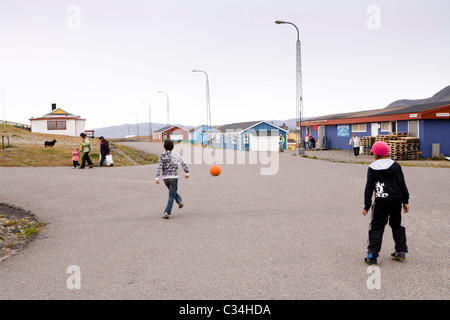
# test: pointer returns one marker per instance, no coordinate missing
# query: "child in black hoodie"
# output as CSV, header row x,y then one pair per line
x,y
385,178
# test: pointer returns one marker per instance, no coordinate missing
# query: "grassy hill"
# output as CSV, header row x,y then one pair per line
x,y
22,148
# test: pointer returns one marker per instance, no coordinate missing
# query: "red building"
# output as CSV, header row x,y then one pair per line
x,y
174,133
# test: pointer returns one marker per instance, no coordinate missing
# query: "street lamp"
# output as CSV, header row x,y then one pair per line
x,y
299,99
150,131
168,118
137,125
208,110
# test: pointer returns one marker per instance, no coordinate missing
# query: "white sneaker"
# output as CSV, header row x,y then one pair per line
x,y
166,215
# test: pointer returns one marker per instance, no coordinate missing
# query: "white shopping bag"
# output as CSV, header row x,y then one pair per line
x,y
109,160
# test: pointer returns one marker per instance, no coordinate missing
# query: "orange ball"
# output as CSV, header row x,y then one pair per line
x,y
215,170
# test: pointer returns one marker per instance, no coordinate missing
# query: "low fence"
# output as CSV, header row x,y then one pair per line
x,y
3,142
15,124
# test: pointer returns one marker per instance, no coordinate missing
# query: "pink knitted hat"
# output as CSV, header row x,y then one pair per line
x,y
380,148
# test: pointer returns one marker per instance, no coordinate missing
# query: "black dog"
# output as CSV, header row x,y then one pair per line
x,y
49,143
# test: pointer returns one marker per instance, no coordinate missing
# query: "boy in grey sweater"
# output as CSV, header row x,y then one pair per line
x,y
168,168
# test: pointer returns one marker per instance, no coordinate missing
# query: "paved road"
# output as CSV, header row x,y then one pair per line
x,y
298,234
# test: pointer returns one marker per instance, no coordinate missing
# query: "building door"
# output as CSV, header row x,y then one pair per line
x,y
393,126
320,136
374,129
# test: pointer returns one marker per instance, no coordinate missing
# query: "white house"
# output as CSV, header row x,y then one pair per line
x,y
58,122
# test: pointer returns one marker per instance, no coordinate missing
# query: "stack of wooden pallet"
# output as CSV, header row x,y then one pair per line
x,y
401,147
397,149
388,137
412,147
367,143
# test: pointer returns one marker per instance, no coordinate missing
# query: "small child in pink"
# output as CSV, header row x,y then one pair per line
x,y
75,157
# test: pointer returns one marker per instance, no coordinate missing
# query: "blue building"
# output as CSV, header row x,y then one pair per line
x,y
199,134
252,136
428,122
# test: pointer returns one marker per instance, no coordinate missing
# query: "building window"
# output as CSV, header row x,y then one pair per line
x,y
386,126
359,127
246,138
56,125
234,139
413,128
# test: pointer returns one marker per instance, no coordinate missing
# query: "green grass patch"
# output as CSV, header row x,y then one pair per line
x,y
33,229
138,156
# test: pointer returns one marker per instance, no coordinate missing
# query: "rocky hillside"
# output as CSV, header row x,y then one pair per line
x,y
443,95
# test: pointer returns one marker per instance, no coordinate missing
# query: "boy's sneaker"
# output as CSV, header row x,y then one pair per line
x,y
398,256
370,259
166,215
180,205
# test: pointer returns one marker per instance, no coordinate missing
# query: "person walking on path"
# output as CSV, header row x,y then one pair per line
x,y
104,150
385,179
281,143
168,169
75,158
354,142
86,147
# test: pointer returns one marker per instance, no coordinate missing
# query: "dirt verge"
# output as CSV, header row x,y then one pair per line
x,y
18,227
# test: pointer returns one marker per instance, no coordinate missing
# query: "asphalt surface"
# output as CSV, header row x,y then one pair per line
x,y
297,234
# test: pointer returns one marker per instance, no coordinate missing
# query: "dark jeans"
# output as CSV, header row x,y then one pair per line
x,y
382,211
172,185
356,151
84,159
76,164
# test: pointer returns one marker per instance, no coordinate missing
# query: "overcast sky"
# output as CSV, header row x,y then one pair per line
x,y
101,58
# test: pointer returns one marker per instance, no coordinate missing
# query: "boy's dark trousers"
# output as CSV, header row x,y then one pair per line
x,y
172,185
382,211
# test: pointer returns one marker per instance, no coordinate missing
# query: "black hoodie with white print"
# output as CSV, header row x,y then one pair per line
x,y
385,178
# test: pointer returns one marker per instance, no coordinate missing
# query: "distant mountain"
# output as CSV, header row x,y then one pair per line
x,y
125,130
441,96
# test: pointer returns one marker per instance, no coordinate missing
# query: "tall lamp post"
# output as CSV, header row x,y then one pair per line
x,y
168,118
150,131
299,99
208,110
